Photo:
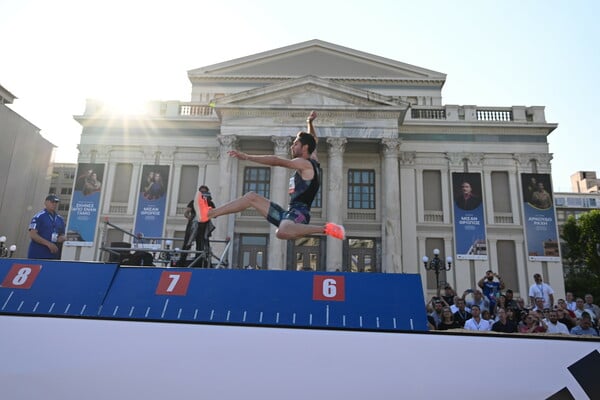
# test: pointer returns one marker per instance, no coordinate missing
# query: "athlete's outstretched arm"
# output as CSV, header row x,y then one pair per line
x,y
311,129
272,160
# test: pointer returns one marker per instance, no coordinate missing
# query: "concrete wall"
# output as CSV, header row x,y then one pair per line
x,y
25,158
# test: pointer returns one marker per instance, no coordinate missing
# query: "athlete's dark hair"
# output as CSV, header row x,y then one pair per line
x,y
307,138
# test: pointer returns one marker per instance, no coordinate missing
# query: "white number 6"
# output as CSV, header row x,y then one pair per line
x,y
329,288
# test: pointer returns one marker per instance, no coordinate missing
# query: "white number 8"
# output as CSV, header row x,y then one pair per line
x,y
329,288
21,276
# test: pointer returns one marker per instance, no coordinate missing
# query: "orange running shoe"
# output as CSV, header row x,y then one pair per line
x,y
335,230
202,207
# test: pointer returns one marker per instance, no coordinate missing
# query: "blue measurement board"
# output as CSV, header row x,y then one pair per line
x,y
222,296
43,287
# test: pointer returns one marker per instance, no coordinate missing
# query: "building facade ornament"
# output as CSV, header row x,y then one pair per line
x,y
227,143
533,161
391,146
337,145
282,144
408,157
455,159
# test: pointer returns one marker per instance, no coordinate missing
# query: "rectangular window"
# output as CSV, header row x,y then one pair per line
x,y
253,251
257,179
361,189
122,183
307,252
362,255
507,263
432,189
66,190
501,192
188,183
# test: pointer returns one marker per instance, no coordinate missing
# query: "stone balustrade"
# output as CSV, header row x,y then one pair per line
x,y
514,114
519,114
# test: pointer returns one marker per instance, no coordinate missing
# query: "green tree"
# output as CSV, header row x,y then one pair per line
x,y
582,254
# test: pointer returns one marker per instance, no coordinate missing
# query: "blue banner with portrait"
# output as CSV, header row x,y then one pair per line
x,y
469,223
151,207
85,201
540,218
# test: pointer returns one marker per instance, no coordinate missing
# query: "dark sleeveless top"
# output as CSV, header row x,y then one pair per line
x,y
302,193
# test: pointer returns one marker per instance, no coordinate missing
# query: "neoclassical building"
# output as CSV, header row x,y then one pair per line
x,y
391,156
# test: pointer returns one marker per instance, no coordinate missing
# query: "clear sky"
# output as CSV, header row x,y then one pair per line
x,y
55,54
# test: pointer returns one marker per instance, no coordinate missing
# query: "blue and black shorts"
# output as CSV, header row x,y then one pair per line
x,y
299,213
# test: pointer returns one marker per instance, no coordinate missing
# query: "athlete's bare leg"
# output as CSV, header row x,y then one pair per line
x,y
249,200
290,230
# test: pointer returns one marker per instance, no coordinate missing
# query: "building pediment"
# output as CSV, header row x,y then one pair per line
x,y
318,58
278,109
308,92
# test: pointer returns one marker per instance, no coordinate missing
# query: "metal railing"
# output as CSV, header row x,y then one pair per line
x,y
161,249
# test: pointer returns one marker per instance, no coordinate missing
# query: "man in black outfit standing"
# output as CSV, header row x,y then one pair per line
x,y
198,232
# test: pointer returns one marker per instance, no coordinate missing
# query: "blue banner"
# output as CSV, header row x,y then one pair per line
x,y
151,208
540,218
85,201
469,223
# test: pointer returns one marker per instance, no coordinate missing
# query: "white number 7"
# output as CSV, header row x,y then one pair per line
x,y
174,280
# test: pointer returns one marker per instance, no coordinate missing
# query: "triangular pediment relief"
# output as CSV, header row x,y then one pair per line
x,y
317,58
308,91
276,109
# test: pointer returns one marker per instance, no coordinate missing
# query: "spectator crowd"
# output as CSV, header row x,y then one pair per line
x,y
491,308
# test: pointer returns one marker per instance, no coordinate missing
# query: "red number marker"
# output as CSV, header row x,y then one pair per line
x,y
329,288
21,276
173,283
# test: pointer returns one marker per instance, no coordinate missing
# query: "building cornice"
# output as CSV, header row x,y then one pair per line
x,y
346,80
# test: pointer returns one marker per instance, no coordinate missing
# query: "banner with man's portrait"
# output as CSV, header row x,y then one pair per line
x,y
151,207
540,219
85,201
469,224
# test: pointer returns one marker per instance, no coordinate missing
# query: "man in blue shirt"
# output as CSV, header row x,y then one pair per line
x,y
585,326
47,231
491,289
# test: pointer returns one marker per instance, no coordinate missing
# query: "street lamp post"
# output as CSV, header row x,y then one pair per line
x,y
436,265
6,252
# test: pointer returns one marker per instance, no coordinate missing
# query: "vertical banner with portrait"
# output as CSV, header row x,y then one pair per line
x,y
85,201
469,224
151,207
540,219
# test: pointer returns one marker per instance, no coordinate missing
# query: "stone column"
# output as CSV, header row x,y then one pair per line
x,y
335,204
134,188
392,252
228,168
109,176
279,181
411,262
175,185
